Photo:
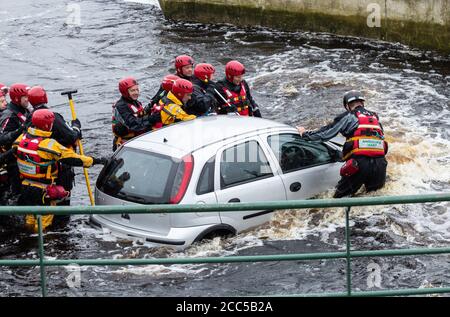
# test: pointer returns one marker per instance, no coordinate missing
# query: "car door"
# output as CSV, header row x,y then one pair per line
x,y
308,168
246,173
203,193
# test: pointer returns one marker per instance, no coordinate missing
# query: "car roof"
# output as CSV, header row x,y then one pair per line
x,y
191,135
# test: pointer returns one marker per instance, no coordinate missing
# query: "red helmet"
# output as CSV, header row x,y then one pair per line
x,y
37,96
43,119
181,61
204,72
17,91
234,68
182,87
168,82
4,89
125,84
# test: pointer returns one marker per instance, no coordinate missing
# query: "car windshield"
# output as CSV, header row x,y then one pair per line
x,y
139,176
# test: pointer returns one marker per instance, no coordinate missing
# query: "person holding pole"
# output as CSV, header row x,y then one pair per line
x,y
38,156
65,133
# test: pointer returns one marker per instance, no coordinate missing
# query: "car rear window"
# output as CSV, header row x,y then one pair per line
x,y
140,176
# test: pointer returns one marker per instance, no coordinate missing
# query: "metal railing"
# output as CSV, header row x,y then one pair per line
x,y
348,254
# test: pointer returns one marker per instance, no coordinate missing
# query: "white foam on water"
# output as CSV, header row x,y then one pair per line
x,y
152,2
418,157
419,146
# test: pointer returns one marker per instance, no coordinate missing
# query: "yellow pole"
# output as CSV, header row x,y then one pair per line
x,y
80,146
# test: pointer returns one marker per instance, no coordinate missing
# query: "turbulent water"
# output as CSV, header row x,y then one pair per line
x,y
297,78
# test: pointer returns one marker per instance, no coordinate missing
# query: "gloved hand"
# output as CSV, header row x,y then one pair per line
x,y
212,85
155,117
156,108
257,113
148,108
230,108
76,126
100,160
120,130
76,123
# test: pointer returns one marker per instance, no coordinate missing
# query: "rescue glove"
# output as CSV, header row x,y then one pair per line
x,y
256,113
213,85
100,160
230,108
154,118
120,130
76,124
148,108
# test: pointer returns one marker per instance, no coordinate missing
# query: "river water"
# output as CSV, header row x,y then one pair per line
x,y
297,78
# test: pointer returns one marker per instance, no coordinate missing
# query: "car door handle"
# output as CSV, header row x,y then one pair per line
x,y
234,200
295,187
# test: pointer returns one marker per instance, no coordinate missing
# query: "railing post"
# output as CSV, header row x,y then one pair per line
x,y
41,258
348,247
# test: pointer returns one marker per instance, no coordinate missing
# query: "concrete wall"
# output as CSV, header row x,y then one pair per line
x,y
421,23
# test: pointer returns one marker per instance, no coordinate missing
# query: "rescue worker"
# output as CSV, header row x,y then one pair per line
x,y
12,123
364,150
65,134
38,155
203,98
129,118
184,66
236,92
172,105
154,106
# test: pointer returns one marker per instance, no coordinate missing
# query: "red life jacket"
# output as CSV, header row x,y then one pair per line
x,y
368,138
239,100
31,165
138,112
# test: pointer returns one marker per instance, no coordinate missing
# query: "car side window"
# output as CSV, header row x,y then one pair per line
x,y
294,153
243,163
206,181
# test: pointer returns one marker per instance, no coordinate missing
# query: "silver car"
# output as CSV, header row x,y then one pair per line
x,y
215,159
